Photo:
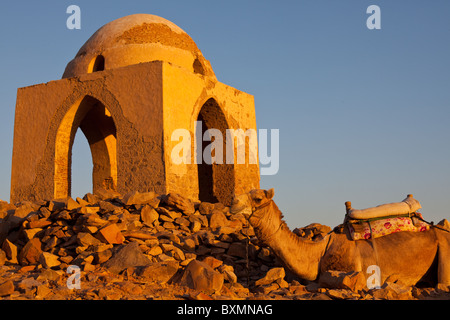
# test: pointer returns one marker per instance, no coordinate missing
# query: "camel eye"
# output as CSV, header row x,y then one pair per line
x,y
258,200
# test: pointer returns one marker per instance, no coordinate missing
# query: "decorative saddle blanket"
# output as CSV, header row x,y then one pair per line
x,y
385,219
371,229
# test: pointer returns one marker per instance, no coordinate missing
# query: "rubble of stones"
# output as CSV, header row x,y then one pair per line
x,y
148,246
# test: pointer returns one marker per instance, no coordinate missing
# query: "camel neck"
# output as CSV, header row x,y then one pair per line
x,y
301,256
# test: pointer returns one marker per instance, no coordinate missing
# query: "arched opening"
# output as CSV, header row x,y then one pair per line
x,y
97,64
81,181
96,123
216,181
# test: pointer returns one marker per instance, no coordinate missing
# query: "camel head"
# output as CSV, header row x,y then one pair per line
x,y
247,203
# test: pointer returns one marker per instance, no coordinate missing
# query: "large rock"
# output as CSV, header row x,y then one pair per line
x,y
6,288
160,272
149,215
200,276
30,252
179,202
205,208
15,217
126,256
86,239
271,276
393,291
49,260
217,220
2,257
112,234
137,198
10,250
354,281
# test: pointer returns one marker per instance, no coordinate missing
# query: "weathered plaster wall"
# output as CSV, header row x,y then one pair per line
x,y
133,96
184,96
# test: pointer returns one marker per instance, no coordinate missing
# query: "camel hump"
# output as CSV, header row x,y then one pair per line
x,y
407,206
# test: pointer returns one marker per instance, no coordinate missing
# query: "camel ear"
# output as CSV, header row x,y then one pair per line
x,y
270,193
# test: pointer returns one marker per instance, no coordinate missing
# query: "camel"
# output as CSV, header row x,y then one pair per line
x,y
407,257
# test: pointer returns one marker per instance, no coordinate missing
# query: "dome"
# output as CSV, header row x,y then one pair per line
x,y
135,39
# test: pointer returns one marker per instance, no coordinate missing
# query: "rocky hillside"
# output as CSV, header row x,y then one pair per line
x,y
148,246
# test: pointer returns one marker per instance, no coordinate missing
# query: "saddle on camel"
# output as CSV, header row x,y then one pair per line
x,y
385,219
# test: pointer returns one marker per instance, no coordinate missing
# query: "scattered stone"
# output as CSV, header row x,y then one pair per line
x,y
112,234
195,226
102,256
217,220
139,235
189,245
200,276
72,204
200,296
271,276
354,281
228,272
2,257
30,233
135,247
57,204
50,275
42,291
41,223
212,262
159,272
6,288
49,260
340,294
86,239
106,194
181,203
107,206
28,284
23,211
126,256
393,291
206,208
149,215
31,252
136,198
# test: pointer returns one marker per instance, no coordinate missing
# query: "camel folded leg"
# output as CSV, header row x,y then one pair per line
x,y
443,257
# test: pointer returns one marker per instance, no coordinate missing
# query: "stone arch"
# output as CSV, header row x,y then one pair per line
x,y
216,181
98,126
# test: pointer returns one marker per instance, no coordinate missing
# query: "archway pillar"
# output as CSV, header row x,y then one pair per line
x,y
95,121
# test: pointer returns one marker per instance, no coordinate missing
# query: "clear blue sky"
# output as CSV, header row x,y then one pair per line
x,y
364,115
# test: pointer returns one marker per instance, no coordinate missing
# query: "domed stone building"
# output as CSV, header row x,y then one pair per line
x,y
130,86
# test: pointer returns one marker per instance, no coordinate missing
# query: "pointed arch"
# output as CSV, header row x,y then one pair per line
x,y
216,181
97,124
